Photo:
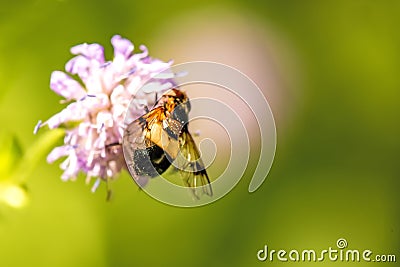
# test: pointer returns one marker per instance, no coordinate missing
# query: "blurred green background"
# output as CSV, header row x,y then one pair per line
x,y
336,170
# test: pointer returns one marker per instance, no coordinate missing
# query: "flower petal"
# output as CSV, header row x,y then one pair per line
x,y
57,153
71,166
89,57
65,86
144,54
78,65
95,103
90,51
104,119
122,46
73,112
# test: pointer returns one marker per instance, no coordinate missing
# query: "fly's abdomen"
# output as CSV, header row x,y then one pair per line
x,y
151,161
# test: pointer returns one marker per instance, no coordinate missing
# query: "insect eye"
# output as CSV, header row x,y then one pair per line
x,y
180,113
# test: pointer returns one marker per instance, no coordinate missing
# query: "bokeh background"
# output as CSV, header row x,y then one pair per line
x,y
330,70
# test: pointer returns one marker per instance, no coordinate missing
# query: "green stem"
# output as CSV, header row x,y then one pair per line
x,y
35,153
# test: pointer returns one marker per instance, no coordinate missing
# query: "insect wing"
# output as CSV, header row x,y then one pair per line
x,y
145,159
150,144
191,166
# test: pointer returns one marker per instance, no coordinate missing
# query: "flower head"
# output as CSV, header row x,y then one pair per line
x,y
101,95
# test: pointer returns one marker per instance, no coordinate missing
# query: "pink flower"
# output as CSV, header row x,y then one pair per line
x,y
99,93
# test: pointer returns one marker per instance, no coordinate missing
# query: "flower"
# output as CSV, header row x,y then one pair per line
x,y
103,97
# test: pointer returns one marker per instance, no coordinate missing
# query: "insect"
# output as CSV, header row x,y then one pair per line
x,y
161,138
